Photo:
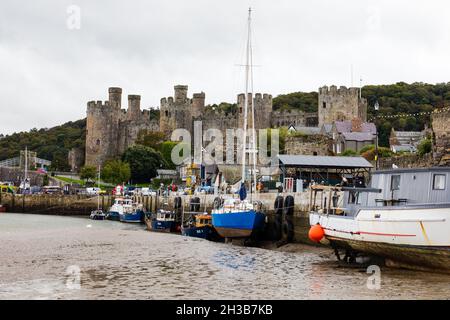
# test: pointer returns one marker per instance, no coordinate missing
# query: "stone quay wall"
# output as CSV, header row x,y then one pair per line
x,y
81,205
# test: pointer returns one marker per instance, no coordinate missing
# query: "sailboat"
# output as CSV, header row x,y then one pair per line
x,y
242,218
98,214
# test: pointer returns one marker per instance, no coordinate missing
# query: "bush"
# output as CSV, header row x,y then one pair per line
x,y
424,147
349,153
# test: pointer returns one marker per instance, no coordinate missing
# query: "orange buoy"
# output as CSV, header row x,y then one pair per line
x,y
316,233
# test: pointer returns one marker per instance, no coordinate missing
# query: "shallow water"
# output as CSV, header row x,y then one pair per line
x,y
50,257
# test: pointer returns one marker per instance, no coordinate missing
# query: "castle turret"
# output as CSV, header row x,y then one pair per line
x,y
115,97
134,107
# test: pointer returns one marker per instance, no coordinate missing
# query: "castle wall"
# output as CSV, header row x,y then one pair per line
x,y
441,129
312,145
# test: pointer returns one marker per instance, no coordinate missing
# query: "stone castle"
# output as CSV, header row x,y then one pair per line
x,y
111,129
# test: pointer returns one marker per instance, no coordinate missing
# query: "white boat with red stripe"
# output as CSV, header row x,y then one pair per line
x,y
404,217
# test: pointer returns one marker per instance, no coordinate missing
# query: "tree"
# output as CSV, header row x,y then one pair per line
x,y
151,139
116,171
88,173
166,152
144,162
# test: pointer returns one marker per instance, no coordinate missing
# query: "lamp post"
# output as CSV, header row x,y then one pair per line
x,y
376,107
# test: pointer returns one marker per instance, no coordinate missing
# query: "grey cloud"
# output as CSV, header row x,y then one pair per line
x,y
48,72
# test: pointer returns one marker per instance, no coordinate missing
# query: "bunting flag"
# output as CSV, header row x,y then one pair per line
x,y
417,114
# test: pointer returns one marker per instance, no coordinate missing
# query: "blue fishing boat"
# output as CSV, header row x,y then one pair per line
x,y
163,221
137,216
125,210
242,218
238,218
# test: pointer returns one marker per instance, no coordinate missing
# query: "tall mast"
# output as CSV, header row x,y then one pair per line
x,y
247,72
26,168
253,150
98,184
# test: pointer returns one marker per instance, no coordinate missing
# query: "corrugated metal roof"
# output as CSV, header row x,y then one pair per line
x,y
324,161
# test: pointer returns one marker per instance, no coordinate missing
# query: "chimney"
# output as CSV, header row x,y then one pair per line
x,y
357,125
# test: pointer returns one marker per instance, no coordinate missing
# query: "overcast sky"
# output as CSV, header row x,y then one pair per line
x,y
49,68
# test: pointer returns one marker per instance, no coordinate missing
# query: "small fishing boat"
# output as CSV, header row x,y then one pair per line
x,y
98,215
242,218
403,217
163,221
125,210
201,227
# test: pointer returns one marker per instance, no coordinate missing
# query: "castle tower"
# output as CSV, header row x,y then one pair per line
x,y
134,107
343,104
181,94
263,110
198,104
179,111
115,97
102,125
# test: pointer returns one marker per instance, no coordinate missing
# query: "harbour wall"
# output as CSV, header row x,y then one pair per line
x,y
82,205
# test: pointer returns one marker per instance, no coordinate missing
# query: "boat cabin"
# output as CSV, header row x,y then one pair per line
x,y
202,220
388,188
164,215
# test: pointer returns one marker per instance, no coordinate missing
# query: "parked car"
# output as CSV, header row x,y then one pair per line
x,y
52,190
147,192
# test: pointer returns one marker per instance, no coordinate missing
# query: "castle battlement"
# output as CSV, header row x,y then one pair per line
x,y
343,90
98,105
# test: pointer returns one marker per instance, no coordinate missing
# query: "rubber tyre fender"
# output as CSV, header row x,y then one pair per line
x,y
289,205
278,205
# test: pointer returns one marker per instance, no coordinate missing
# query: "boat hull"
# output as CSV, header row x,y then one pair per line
x,y
238,224
98,217
136,217
409,236
205,232
161,226
112,215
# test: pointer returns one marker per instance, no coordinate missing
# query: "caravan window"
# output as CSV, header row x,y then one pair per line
x,y
439,181
395,182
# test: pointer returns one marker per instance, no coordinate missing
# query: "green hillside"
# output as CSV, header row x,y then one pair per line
x,y
50,144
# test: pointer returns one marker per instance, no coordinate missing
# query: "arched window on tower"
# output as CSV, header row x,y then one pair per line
x,y
167,113
98,142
